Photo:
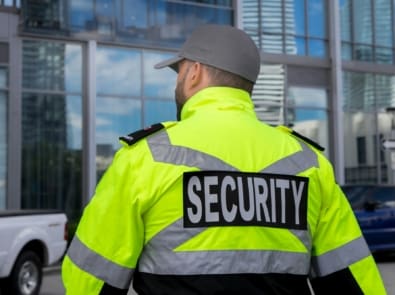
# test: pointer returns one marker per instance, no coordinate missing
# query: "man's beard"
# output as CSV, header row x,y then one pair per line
x,y
180,97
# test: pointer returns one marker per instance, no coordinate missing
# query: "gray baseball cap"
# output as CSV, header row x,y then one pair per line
x,y
221,46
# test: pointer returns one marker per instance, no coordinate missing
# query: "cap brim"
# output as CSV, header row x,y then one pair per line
x,y
172,63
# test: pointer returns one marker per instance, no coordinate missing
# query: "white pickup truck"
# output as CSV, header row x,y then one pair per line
x,y
29,241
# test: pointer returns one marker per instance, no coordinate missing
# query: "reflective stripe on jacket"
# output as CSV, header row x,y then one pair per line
x,y
134,227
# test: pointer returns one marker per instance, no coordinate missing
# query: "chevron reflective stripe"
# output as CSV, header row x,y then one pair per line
x,y
102,268
340,258
159,257
163,151
295,163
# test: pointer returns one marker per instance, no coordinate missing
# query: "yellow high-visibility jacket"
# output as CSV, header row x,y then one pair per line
x,y
219,203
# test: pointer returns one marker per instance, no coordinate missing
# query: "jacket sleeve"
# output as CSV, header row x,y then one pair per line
x,y
341,260
103,254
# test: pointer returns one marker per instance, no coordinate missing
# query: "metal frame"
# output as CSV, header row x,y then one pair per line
x,y
89,118
336,128
14,150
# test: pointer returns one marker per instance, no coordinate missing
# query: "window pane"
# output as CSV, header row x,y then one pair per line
x,y
346,51
384,87
170,21
251,19
358,91
81,15
299,18
345,19
274,44
52,152
132,16
158,83
158,111
3,78
118,71
365,97
52,66
363,22
3,148
384,55
310,123
115,117
383,19
360,163
272,26
317,48
307,113
316,14
307,97
300,45
268,93
363,53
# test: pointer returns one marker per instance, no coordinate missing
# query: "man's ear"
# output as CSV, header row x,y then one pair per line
x,y
196,79
199,78
195,74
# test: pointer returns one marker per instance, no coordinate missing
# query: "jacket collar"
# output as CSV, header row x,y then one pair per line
x,y
219,98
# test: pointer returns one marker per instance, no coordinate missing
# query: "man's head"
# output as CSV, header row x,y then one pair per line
x,y
214,55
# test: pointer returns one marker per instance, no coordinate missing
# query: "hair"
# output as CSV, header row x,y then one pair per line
x,y
220,77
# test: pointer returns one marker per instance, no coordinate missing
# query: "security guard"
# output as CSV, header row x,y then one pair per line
x,y
218,202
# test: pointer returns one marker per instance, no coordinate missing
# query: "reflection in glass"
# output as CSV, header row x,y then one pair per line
x,y
316,14
182,18
363,52
346,51
360,127
345,19
299,18
307,113
358,91
52,126
3,78
367,26
115,117
145,22
268,94
300,46
363,22
282,27
317,48
52,152
366,99
272,26
311,123
158,83
307,97
118,71
384,91
52,66
383,19
132,16
3,148
384,55
159,111
81,15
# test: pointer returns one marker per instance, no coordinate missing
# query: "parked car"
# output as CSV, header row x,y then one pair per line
x,y
29,241
374,207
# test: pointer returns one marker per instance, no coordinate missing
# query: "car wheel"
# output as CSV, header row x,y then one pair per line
x,y
26,276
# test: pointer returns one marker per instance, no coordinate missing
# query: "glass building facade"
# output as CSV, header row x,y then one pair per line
x,y
75,75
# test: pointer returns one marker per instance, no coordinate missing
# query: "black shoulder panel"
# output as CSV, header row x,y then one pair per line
x,y
308,140
140,134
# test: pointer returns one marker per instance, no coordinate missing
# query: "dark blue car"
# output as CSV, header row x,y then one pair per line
x,y
374,207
